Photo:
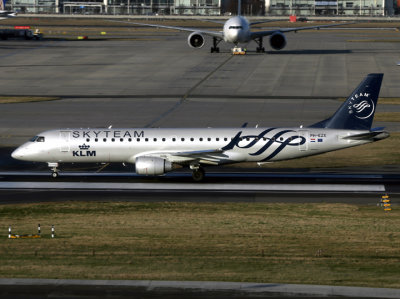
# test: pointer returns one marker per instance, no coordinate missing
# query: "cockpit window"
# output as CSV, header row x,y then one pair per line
x,y
37,139
33,139
235,27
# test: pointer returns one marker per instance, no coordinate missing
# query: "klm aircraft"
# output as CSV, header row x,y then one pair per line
x,y
237,30
155,151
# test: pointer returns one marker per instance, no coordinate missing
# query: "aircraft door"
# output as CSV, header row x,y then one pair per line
x,y
305,134
65,137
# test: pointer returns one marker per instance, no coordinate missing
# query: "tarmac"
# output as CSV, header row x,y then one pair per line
x,y
61,288
160,81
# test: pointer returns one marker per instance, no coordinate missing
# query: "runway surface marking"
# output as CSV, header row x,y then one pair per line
x,y
194,186
186,95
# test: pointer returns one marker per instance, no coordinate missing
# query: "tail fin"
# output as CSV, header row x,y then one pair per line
x,y
357,112
2,4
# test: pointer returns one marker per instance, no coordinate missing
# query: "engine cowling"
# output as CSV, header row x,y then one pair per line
x,y
277,41
152,165
196,40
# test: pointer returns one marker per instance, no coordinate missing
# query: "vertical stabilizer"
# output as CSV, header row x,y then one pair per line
x,y
2,4
357,112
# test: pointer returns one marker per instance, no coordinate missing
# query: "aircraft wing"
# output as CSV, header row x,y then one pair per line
x,y
207,32
212,157
257,34
266,21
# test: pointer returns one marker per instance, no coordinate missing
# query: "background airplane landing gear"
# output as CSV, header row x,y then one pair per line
x,y
214,48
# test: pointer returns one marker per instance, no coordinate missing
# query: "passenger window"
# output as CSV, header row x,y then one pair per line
x,y
130,139
112,139
173,139
201,139
217,139
146,139
96,139
209,139
105,139
182,139
191,139
154,139
138,139
122,139
163,139
87,140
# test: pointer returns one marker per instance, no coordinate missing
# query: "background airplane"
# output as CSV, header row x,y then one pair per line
x,y
155,151
4,14
237,30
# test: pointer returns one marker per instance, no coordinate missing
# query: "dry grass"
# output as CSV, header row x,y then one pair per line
x,y
9,100
387,116
293,243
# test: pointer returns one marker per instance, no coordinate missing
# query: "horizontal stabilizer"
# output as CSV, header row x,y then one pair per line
x,y
373,136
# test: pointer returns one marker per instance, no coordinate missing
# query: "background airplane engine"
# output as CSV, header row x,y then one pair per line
x,y
277,41
152,165
196,40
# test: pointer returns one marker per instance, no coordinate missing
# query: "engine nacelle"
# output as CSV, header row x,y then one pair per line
x,y
196,40
277,41
152,165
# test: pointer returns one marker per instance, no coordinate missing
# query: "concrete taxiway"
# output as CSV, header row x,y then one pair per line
x,y
161,81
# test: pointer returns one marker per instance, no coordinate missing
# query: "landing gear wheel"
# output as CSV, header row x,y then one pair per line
x,y
214,48
198,175
54,174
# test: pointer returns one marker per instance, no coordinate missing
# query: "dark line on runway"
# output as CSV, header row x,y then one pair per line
x,y
186,95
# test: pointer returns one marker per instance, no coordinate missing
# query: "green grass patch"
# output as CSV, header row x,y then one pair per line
x,y
336,244
9,100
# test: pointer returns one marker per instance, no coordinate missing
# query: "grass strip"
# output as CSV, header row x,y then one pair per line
x,y
9,100
330,244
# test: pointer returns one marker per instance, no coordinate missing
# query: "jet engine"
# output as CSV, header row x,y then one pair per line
x,y
196,40
277,41
152,165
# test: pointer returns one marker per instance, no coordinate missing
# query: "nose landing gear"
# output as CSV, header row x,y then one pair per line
x,y
54,169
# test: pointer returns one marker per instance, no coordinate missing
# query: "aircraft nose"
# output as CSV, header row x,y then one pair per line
x,y
18,153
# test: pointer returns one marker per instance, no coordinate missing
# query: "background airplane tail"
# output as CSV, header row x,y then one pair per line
x,y
2,4
357,112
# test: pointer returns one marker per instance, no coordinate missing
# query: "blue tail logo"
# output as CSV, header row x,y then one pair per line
x,y
357,112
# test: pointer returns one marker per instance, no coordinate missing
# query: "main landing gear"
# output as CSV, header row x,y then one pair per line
x,y
214,48
198,173
260,48
54,169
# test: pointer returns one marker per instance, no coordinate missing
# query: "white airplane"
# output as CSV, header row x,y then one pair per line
x,y
155,151
237,30
4,14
